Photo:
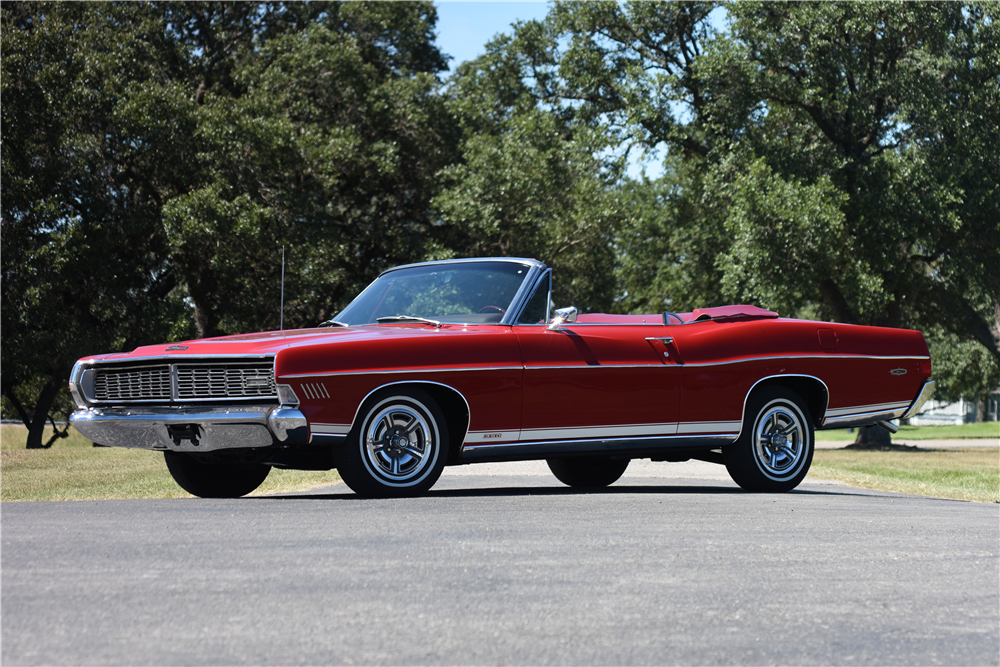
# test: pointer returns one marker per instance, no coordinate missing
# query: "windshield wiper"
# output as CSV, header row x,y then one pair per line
x,y
332,323
407,318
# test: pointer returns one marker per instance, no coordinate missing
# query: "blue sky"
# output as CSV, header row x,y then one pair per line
x,y
463,28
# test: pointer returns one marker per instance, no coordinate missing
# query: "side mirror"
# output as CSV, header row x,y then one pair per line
x,y
563,315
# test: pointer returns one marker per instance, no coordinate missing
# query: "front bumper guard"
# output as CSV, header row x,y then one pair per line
x,y
193,429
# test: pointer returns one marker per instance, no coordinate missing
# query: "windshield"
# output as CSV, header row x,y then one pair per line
x,y
477,292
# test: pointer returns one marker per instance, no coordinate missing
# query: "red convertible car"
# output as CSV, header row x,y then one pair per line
x,y
463,361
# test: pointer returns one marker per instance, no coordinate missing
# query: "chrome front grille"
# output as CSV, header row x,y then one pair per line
x,y
204,381
225,381
141,383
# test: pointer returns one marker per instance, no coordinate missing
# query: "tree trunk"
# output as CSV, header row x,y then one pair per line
x,y
872,436
36,427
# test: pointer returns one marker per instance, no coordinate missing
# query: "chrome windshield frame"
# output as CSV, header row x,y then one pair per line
x,y
517,303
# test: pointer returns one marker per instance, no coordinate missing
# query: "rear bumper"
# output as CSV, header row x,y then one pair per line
x,y
193,429
845,418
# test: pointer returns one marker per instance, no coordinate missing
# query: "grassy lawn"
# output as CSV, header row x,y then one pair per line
x,y
960,432
963,474
73,469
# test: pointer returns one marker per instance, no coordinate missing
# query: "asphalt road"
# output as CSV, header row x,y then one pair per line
x,y
502,565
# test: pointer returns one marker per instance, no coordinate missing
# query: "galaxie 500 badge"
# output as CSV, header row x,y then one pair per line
x,y
174,348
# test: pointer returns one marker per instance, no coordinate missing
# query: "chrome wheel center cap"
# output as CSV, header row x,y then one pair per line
x,y
397,444
778,440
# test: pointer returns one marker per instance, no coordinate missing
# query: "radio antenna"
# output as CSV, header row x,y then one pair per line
x,y
281,316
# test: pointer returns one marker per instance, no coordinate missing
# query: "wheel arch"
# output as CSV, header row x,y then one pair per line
x,y
809,388
452,403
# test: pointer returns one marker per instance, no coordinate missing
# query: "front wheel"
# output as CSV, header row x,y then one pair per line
x,y
212,478
398,448
775,449
590,471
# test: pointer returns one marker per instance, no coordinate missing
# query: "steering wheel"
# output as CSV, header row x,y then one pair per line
x,y
496,308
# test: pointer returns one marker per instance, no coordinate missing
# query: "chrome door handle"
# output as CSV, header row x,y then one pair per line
x,y
666,340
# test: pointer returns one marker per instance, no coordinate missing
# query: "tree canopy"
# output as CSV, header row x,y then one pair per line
x,y
828,160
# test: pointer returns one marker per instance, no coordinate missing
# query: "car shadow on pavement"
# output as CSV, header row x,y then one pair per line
x,y
523,491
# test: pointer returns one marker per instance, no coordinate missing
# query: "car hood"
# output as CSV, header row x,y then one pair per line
x,y
267,343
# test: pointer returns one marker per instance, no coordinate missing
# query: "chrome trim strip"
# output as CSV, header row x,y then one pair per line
x,y
826,391
798,356
468,410
858,409
546,274
75,376
534,263
861,419
180,358
708,427
591,432
329,429
543,449
382,372
926,391
326,439
523,294
649,365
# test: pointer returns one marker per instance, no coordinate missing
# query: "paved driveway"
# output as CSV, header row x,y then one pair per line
x,y
502,565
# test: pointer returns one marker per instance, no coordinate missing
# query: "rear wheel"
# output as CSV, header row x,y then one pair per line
x,y
399,447
213,476
590,471
775,449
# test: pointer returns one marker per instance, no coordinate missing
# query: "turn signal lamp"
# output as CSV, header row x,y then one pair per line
x,y
286,395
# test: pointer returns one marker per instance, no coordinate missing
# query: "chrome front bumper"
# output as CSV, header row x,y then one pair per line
x,y
193,429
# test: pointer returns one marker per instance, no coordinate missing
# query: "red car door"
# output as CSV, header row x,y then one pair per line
x,y
591,381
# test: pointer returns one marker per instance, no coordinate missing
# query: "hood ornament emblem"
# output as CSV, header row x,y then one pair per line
x,y
173,348
898,371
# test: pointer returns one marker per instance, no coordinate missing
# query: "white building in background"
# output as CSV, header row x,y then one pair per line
x,y
939,413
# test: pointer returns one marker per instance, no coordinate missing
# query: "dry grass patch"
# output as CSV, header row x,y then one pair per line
x,y
73,469
962,474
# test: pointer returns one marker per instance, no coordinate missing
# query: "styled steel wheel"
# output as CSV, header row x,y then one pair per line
x,y
775,449
398,448
208,476
589,471
399,443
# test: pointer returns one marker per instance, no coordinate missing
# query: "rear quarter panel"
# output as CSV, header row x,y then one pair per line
x,y
723,360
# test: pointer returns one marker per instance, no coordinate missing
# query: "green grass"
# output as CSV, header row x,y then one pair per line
x,y
962,474
73,469
960,432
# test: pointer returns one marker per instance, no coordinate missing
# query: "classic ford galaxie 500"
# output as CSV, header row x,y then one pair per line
x,y
462,361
